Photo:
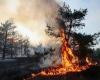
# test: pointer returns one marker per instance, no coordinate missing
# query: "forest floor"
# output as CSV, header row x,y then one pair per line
x,y
22,68
15,68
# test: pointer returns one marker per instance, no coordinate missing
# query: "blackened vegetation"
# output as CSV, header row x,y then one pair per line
x,y
15,69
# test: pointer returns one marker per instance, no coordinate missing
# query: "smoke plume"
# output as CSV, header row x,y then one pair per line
x,y
30,16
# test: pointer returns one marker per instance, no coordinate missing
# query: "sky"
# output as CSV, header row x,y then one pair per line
x,y
31,19
92,20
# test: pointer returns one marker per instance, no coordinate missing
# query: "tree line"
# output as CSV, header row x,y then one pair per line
x,y
12,44
97,52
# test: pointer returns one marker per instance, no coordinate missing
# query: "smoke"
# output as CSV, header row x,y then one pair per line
x,y
35,14
30,16
37,9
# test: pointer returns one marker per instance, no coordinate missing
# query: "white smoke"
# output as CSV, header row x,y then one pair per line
x,y
30,16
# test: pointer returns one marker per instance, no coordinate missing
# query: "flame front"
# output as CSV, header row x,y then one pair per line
x,y
69,62
66,52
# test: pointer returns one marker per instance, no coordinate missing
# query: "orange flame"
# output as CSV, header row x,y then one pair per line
x,y
66,54
69,62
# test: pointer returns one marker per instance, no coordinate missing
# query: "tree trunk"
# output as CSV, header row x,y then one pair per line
x,y
5,43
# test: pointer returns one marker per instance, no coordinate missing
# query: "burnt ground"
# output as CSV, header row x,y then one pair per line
x,y
93,73
21,69
15,69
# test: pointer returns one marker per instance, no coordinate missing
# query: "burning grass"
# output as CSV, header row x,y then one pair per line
x,y
92,73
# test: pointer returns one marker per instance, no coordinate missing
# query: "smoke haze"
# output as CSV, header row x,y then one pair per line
x,y
30,16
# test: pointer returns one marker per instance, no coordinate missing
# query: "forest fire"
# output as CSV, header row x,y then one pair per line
x,y
69,62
